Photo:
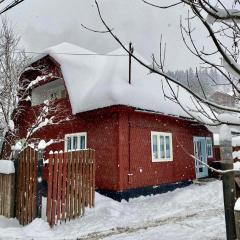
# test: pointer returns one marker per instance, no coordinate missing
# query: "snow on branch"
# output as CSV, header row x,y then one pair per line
x,y
217,14
229,68
38,80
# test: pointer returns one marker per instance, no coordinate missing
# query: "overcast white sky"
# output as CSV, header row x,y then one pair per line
x,y
43,23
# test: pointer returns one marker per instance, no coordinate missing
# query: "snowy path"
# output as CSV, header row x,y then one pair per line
x,y
154,229
194,212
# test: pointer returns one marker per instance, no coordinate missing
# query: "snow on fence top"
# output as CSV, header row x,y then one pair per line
x,y
236,154
42,145
95,81
7,167
17,146
237,205
236,166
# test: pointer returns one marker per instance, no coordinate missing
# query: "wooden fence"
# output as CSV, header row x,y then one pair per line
x,y
71,185
26,186
7,182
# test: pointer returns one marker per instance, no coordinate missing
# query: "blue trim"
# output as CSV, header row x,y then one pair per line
x,y
133,193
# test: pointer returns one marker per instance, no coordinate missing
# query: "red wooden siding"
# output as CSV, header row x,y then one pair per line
x,y
135,158
109,132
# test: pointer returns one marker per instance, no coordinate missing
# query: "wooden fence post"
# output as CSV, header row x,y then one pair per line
x,y
237,218
39,183
16,164
7,187
229,193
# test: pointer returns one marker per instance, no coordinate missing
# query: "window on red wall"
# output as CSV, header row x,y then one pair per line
x,y
209,147
161,146
75,141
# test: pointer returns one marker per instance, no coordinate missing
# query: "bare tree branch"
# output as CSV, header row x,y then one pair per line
x,y
154,70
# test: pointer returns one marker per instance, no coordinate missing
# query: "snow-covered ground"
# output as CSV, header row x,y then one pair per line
x,y
194,212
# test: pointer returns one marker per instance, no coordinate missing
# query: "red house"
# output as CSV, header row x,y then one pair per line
x,y
222,98
143,140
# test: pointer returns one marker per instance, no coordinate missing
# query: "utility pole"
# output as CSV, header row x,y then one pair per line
x,y
130,63
229,192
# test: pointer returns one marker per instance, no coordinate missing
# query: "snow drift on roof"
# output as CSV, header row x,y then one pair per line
x,y
95,81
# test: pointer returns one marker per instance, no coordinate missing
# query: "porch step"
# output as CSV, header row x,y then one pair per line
x,y
202,181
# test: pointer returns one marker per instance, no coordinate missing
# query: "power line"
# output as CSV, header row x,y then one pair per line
x,y
9,6
75,54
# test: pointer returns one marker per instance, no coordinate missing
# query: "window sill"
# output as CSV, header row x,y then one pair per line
x,y
161,160
73,150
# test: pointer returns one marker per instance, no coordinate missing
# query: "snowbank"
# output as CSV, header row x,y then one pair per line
x,y
194,212
7,167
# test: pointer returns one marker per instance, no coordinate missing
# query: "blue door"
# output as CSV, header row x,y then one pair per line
x,y
200,152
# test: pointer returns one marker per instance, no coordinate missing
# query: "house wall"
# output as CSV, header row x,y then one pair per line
x,y
121,138
224,99
136,158
102,136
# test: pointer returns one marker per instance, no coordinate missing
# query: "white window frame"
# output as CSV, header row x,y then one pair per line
x,y
158,134
71,135
209,138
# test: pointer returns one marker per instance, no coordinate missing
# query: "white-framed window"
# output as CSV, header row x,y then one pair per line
x,y
75,141
209,147
161,146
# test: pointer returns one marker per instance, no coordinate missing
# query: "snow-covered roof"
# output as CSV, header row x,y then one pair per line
x,y
228,93
97,81
235,140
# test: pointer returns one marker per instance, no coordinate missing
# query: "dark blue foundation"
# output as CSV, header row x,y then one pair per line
x,y
133,193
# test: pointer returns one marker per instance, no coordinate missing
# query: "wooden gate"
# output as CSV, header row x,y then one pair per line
x,y
71,184
26,186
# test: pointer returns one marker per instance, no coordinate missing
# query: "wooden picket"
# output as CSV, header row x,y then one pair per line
x,y
7,182
71,185
26,186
